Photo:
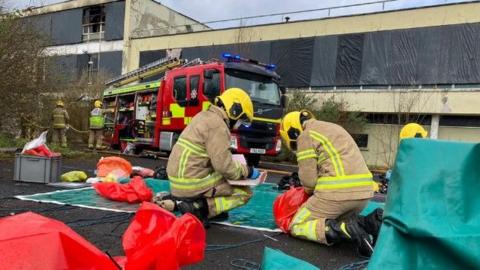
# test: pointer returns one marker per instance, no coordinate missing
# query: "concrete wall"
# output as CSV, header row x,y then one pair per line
x,y
383,141
466,134
149,18
435,16
425,101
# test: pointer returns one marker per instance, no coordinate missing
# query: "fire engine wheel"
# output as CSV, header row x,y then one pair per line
x,y
253,160
138,150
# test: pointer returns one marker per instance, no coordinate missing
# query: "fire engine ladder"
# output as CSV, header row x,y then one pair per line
x,y
154,68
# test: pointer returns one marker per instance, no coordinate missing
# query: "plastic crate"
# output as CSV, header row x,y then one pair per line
x,y
37,169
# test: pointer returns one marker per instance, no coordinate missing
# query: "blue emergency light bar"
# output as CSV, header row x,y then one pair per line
x,y
238,58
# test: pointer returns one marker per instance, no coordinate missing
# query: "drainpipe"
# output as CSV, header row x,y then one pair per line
x,y
434,126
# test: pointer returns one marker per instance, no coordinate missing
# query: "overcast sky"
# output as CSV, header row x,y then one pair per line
x,y
212,10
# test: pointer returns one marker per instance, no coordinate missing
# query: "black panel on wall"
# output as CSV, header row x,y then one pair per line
x,y
375,58
42,24
403,56
67,26
82,64
254,50
433,46
204,52
293,58
64,66
147,57
462,58
114,20
324,61
349,59
111,63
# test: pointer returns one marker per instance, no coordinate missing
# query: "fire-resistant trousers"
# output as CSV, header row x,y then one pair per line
x,y
95,135
225,197
59,135
310,223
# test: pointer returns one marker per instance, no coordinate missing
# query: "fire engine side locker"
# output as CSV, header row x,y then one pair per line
x,y
163,137
110,103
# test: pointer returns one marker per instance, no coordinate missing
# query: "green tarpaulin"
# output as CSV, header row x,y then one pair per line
x,y
276,260
432,214
257,213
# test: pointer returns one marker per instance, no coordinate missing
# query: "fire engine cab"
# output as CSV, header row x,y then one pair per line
x,y
152,115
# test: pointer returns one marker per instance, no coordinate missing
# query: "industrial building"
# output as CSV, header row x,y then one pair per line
x,y
407,65
91,35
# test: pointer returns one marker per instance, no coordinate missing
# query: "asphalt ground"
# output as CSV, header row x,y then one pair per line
x,y
106,233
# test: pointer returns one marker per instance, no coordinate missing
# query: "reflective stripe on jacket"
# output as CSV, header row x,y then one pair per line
x,y
201,158
331,164
96,119
60,118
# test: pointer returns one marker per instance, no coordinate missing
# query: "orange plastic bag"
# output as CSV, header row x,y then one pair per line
x,y
134,191
156,239
286,205
122,167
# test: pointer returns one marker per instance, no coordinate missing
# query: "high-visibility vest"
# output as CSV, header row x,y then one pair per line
x,y
59,120
96,119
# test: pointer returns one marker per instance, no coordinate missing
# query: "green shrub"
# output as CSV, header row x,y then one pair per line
x,y
330,110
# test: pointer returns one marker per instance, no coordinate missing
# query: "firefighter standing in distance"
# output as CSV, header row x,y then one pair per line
x,y
333,171
97,124
201,161
60,124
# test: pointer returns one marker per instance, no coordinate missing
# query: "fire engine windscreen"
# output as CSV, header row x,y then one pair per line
x,y
262,89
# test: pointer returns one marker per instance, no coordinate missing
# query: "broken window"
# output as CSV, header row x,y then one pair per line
x,y
93,23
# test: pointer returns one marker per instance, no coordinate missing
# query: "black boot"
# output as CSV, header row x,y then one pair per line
x,y
198,208
221,217
166,201
372,223
351,231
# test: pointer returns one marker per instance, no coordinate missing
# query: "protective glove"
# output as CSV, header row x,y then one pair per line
x,y
255,173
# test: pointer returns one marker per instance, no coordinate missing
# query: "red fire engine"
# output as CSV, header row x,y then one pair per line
x,y
152,115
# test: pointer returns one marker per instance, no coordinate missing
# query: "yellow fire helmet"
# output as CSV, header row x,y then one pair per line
x,y
291,127
237,104
60,103
97,104
413,130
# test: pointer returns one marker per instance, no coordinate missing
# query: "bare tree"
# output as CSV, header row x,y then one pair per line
x,y
407,105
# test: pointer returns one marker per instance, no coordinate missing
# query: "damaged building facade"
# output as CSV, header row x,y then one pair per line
x,y
418,65
90,36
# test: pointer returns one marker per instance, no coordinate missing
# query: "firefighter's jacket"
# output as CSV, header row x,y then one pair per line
x,y
201,158
330,163
60,118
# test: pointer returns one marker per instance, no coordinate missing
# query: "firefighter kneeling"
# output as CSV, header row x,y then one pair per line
x,y
97,124
331,169
201,161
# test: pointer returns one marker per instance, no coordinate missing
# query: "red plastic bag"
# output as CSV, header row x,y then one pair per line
x,y
30,241
134,191
41,151
156,239
286,205
122,167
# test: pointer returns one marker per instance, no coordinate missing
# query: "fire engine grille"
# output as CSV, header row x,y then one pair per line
x,y
258,135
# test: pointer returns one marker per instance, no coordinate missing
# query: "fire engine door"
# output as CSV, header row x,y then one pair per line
x,y
185,93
